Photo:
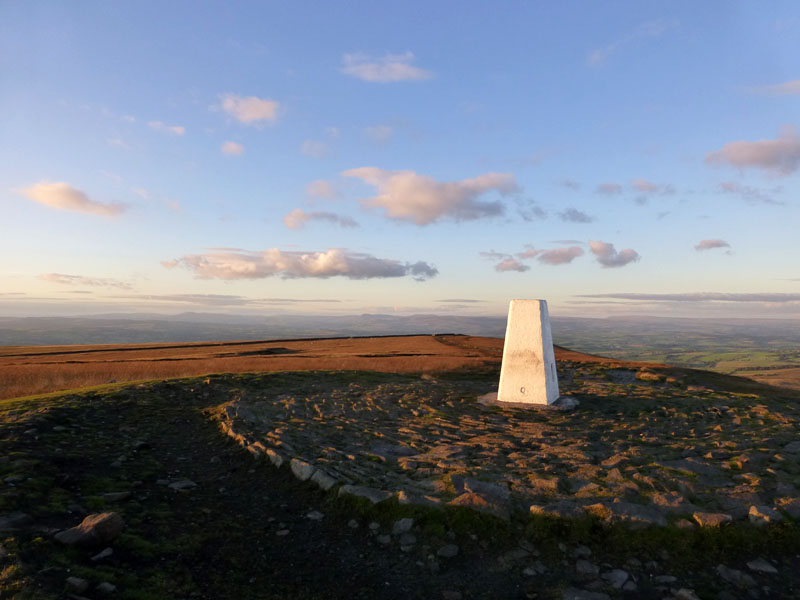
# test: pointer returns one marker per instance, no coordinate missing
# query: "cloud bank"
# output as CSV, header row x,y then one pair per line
x,y
780,156
702,297
250,110
230,264
63,279
609,257
298,218
408,196
386,69
63,196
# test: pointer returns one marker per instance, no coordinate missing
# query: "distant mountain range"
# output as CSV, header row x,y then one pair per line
x,y
609,336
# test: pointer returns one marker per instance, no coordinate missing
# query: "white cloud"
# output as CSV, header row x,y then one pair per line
x,y
63,279
609,257
321,189
573,215
379,133
649,29
242,264
510,264
250,109
609,189
232,148
63,196
560,256
709,244
780,156
164,128
386,69
788,88
298,218
408,196
314,149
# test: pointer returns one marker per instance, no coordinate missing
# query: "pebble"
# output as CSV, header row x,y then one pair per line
x,y
282,532
106,588
384,539
447,551
352,524
315,515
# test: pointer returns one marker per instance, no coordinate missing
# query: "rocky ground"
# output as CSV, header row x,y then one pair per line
x,y
660,484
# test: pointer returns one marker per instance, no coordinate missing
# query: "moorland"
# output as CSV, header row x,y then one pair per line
x,y
685,482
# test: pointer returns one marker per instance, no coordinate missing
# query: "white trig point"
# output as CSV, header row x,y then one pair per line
x,y
528,374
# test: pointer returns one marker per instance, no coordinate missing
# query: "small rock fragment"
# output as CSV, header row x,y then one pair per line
x,y
77,584
315,515
102,554
182,485
447,551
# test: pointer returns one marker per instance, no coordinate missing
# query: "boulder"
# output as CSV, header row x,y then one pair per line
x,y
94,530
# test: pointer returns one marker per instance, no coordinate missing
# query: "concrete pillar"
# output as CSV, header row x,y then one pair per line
x,y
528,374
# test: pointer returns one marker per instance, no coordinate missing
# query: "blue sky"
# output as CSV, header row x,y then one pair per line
x,y
614,158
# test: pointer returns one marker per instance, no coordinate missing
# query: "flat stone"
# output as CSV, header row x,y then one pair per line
x,y
183,484
402,526
404,497
760,565
616,578
709,519
96,529
763,515
792,447
106,588
372,494
302,469
628,513
323,480
275,458
77,584
584,567
483,504
315,515
566,403
685,594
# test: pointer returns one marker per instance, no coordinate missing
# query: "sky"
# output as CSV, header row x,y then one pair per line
x,y
615,158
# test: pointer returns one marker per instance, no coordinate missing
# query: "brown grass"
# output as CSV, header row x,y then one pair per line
x,y
26,370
